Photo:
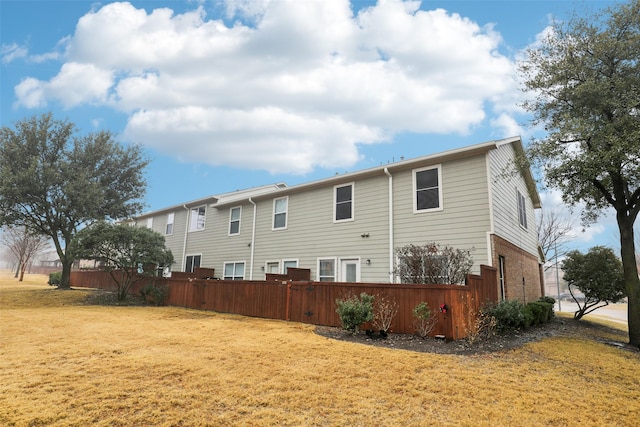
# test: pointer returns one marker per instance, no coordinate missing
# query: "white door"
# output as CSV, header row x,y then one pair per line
x,y
350,270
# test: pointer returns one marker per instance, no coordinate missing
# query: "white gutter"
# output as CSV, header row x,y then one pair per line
x,y
386,171
184,244
253,238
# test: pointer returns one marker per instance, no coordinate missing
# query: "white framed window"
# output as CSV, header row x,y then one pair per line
x,y
234,220
169,228
343,202
427,189
197,219
193,262
522,210
272,267
327,269
280,208
234,270
150,222
289,263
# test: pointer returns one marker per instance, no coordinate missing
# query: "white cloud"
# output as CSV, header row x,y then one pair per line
x,y
30,93
75,84
301,86
11,52
507,125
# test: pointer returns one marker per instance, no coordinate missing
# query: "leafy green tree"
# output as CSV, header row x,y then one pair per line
x,y
128,253
598,274
54,183
585,76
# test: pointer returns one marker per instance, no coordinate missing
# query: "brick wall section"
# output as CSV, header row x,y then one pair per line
x,y
518,265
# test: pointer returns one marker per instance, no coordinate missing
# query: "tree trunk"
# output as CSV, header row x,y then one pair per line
x,y
23,267
631,279
66,273
15,276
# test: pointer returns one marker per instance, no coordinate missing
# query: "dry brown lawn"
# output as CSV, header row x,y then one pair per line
x,y
63,363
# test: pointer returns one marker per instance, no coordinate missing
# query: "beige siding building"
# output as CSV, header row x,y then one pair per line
x,y
346,228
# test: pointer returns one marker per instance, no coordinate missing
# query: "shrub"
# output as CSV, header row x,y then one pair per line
x,y
55,278
432,263
482,327
354,311
548,299
530,317
384,312
508,315
423,320
156,294
542,310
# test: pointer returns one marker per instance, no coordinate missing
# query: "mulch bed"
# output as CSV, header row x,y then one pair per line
x,y
557,327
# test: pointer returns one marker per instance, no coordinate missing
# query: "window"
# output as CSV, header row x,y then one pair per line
x,y
273,267
289,263
149,222
501,277
428,194
280,213
234,271
169,229
197,219
522,210
327,270
193,262
234,220
344,202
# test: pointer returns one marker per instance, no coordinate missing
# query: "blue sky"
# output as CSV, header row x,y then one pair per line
x,y
226,95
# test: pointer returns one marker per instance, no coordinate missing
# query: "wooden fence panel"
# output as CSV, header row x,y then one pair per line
x,y
315,302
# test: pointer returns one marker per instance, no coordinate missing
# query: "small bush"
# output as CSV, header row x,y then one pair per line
x,y
354,311
384,312
55,278
423,320
543,311
530,317
508,315
482,327
548,299
156,294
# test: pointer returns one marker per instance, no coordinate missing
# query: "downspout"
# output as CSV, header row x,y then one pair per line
x,y
391,276
184,243
253,238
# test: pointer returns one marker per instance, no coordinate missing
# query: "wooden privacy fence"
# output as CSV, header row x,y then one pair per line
x,y
315,302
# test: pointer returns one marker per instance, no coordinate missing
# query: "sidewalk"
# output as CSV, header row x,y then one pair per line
x,y
613,312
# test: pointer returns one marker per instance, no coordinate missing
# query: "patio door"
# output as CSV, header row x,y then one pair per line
x,y
350,270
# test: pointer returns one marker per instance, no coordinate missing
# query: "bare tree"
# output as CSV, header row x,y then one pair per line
x,y
24,245
554,232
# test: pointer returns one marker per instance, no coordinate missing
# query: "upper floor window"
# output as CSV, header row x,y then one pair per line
x,y
280,213
234,271
343,196
196,221
149,222
522,210
234,220
170,218
428,191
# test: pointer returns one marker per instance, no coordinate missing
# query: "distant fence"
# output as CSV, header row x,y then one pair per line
x,y
315,302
